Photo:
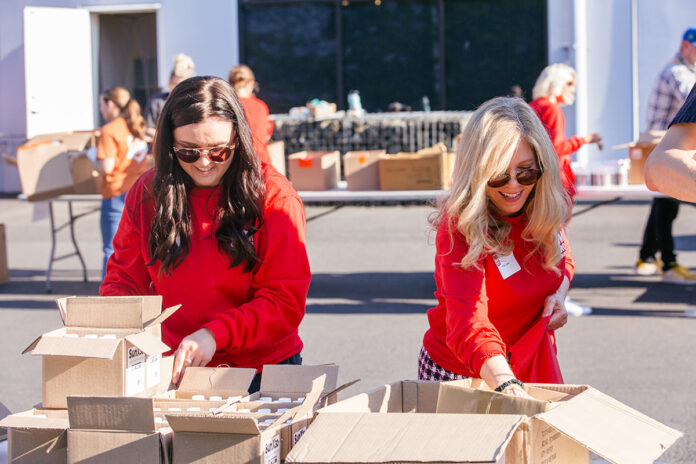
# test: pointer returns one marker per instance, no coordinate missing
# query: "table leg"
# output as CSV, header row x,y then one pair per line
x,y
72,237
53,247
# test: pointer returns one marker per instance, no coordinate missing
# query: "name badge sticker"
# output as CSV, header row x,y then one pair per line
x,y
507,265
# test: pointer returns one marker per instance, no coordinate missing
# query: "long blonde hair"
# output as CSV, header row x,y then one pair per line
x,y
489,141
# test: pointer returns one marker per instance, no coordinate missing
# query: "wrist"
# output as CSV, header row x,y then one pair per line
x,y
508,383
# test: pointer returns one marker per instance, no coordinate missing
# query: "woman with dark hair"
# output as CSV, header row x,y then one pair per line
x,y
212,230
121,158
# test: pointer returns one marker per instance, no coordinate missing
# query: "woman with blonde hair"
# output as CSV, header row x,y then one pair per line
x,y
244,82
121,158
503,264
554,87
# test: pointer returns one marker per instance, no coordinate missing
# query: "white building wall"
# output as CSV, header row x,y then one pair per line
x,y
207,31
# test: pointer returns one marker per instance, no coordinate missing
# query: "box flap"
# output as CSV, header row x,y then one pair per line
x,y
306,409
111,413
162,316
148,343
292,378
204,423
387,398
231,381
112,311
46,419
62,303
102,348
383,438
460,399
611,429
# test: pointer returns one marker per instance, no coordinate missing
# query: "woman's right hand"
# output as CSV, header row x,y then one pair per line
x,y
517,391
594,138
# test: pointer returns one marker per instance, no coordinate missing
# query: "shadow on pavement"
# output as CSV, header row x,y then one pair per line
x,y
366,307
636,312
370,285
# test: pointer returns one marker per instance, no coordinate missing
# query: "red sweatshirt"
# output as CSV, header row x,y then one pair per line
x,y
253,315
552,117
261,126
479,313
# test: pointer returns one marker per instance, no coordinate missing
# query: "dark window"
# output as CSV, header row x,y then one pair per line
x,y
292,51
390,50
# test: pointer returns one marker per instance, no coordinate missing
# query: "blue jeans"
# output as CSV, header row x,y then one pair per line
x,y
111,210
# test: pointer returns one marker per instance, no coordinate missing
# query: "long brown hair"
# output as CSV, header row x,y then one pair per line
x,y
241,202
129,109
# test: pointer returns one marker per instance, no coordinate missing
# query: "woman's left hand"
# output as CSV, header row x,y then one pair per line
x,y
195,350
554,306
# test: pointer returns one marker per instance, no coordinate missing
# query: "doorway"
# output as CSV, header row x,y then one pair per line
x,y
127,47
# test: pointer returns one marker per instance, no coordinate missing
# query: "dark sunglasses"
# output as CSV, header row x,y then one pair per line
x,y
216,154
524,177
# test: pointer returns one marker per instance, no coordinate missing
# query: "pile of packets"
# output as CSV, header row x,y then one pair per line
x,y
106,396
106,368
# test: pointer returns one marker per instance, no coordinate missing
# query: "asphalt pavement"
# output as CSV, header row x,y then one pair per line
x,y
373,283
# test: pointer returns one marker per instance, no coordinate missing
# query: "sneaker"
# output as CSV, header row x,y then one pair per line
x,y
678,274
651,266
576,309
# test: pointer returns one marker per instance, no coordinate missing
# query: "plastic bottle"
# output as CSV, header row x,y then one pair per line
x,y
426,103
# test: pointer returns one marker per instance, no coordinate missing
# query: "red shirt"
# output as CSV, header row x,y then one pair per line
x,y
479,313
552,117
261,126
253,315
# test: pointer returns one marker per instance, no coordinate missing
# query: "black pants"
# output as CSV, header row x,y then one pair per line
x,y
658,231
255,386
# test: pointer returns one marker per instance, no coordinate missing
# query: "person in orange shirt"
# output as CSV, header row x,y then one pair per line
x,y
121,158
244,82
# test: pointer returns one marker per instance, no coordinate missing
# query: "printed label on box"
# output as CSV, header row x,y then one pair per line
x,y
135,372
271,451
153,370
297,435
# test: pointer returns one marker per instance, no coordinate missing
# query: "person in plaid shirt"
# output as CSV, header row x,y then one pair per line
x,y
673,85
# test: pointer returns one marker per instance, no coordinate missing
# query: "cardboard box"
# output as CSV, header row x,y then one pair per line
x,y
426,169
37,436
230,384
116,430
295,381
638,152
109,346
314,170
361,169
235,436
55,164
4,266
276,151
458,423
321,110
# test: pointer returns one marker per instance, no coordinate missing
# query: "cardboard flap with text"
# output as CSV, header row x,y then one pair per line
x,y
297,379
611,429
383,438
112,312
111,413
204,423
225,381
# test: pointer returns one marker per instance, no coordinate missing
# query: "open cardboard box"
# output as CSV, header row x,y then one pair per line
x,y
427,169
224,384
110,346
295,381
116,430
460,424
638,152
233,436
36,436
55,164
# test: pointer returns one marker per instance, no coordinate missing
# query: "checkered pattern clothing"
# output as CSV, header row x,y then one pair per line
x,y
429,370
672,87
